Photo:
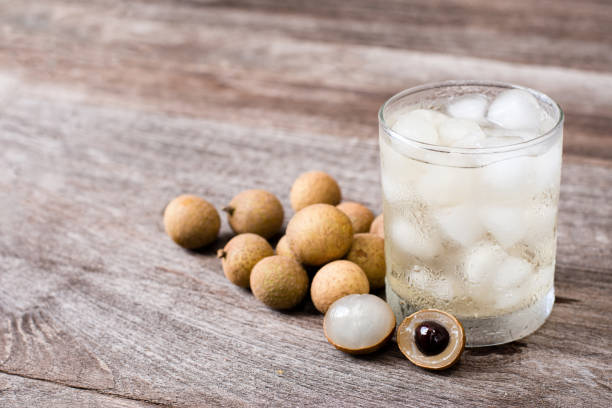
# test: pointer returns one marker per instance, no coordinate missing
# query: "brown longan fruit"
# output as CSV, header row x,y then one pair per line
x,y
368,251
240,255
378,226
320,233
314,187
336,280
191,221
361,217
255,211
279,282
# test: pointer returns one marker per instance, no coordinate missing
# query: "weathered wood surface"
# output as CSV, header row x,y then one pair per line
x,y
109,109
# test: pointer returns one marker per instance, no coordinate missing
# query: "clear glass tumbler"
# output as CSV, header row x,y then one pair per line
x,y
471,230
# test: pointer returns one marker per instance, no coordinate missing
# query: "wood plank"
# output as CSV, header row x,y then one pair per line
x,y
552,32
32,344
83,242
543,33
221,68
108,109
16,391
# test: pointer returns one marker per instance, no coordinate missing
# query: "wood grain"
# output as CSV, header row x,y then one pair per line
x,y
33,345
110,109
18,391
214,64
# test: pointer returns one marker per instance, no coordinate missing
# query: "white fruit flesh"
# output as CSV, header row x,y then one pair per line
x,y
357,322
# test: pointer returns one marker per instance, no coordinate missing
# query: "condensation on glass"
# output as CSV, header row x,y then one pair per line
x,y
471,230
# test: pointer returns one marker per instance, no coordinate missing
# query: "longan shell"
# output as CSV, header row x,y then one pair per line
x,y
378,226
368,251
336,280
191,221
314,187
241,254
442,361
283,248
256,211
320,233
279,282
361,217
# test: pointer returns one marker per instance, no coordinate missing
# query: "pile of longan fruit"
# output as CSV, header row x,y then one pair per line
x,y
341,241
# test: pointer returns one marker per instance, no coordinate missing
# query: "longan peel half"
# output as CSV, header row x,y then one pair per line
x,y
405,335
320,233
191,221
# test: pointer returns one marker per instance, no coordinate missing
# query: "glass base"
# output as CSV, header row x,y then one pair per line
x,y
489,331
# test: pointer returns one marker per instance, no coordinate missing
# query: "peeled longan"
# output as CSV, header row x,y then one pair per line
x,y
241,254
336,280
361,217
359,324
255,211
320,233
314,187
191,221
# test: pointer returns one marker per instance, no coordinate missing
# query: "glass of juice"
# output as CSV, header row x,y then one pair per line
x,y
470,179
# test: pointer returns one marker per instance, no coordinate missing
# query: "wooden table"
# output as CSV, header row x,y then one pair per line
x,y
109,109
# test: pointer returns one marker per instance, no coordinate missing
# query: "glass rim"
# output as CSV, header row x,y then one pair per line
x,y
541,138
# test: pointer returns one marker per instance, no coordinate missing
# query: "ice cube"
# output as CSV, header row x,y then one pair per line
x,y
493,275
547,168
452,131
542,279
430,115
460,223
507,225
515,109
470,141
535,283
482,262
541,220
442,288
412,239
497,137
445,186
472,106
514,285
393,189
523,135
544,251
512,273
399,172
417,125
511,298
439,286
507,179
496,141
